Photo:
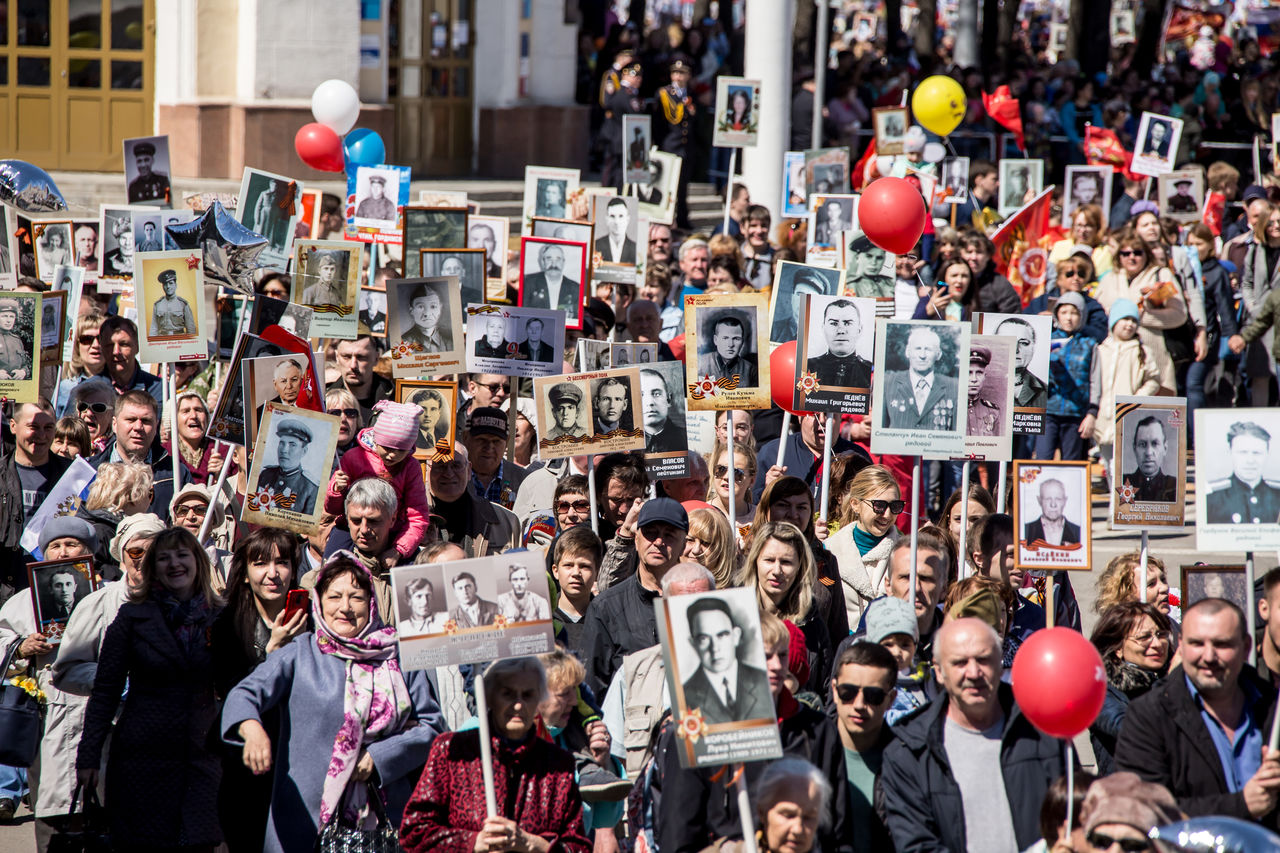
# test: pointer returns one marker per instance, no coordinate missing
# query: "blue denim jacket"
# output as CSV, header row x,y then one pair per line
x,y
1070,361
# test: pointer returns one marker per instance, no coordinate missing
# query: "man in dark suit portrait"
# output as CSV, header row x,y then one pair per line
x,y
1150,448
1052,526
472,610
614,247
293,435
660,435
481,236
1157,141
919,397
60,595
1029,390
727,359
724,688
533,347
550,287
651,193
841,366
493,344
611,406
425,310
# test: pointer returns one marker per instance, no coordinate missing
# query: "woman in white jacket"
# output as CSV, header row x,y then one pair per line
x,y
868,513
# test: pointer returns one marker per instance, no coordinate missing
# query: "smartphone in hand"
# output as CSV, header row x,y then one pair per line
x,y
297,600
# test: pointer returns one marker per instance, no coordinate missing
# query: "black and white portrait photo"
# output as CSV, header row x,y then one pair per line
x,y
514,341
1150,463
1157,144
625,355
53,315
420,601
890,124
1229,582
293,318
52,247
425,323
662,408
1051,502
227,421
1086,185
791,283
917,397
372,312
547,191
116,233
552,273
611,407
270,379
955,180
85,243
490,233
1182,194
1017,179
615,220
57,586
826,170
432,228
467,265
527,598
148,234
377,191
1237,479
567,411
869,270
292,461
989,405
726,348
269,206
830,217
1031,333
326,279
833,354
552,198
723,686
564,229
657,196
146,171
636,133
438,403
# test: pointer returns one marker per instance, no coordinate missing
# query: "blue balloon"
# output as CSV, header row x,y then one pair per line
x,y
1215,835
363,147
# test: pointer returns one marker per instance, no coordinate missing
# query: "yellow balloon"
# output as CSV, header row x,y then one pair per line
x,y
938,104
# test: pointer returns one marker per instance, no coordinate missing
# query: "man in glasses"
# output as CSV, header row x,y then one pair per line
x,y
461,515
724,688
968,772
863,687
484,390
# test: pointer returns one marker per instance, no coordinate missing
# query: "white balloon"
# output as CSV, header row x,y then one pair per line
x,y
934,152
884,164
336,105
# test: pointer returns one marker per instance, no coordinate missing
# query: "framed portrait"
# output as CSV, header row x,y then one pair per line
x,y
637,135
148,232
491,234
869,271
546,193
439,403
1229,582
955,180
1052,514
292,461
988,433
915,421
616,251
792,282
592,355
1032,333
432,228
147,171
865,25
830,215
270,379
657,196
465,265
890,125
87,245
326,279
171,306
795,197
52,246
737,122
1017,178
1182,194
1087,185
552,276
376,198
69,280
1150,464
116,233
834,347
1058,37
8,248
444,198
311,202
1122,28
564,229
1156,145
727,351
290,316
20,346
226,422
826,170
424,326
57,586
513,341
372,312
625,355
708,639
269,207
662,412
588,412
472,611
1237,479
53,326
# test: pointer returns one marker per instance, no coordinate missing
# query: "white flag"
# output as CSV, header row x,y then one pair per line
x,y
64,499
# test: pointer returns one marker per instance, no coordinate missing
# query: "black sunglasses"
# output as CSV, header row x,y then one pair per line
x,y
1129,845
96,408
1071,274
495,387
881,507
848,692
346,413
722,470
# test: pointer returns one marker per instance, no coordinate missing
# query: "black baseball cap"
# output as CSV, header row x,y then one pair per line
x,y
665,511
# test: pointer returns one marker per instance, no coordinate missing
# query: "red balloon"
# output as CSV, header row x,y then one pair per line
x,y
1059,681
782,377
319,147
891,213
690,506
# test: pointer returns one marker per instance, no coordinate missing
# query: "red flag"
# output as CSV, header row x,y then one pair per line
x,y
1022,246
311,395
1103,148
859,176
1215,209
1004,108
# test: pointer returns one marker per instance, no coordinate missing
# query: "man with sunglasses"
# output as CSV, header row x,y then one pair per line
x,y
863,687
484,390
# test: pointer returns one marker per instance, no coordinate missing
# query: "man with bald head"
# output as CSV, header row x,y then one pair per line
x,y
969,771
920,397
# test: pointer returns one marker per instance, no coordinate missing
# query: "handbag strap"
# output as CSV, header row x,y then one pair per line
x,y
90,799
8,659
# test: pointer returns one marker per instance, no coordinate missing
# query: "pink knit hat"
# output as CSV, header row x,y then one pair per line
x,y
396,424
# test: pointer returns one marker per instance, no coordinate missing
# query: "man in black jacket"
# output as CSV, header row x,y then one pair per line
x,y
1202,730
26,477
134,439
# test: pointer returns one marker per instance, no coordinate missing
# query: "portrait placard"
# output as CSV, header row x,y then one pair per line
x,y
592,355
446,198
472,611
376,198
8,248
918,402
20,346
709,640
169,287
834,348
795,197
490,233
293,447
552,275
69,280
514,341
226,423
431,228
57,586
565,229
1122,27
636,135
116,232
1017,178
1230,582
1182,194
546,193
290,316
1150,470
1052,515
270,379
1086,185
1237,479
625,355
829,217
1033,334
52,246
662,410
870,271
826,171
372,311
424,327
890,124
727,351
465,265
616,255
53,327
326,279
657,197
737,113
439,402
989,421
1157,144
588,413
147,171
955,180
269,207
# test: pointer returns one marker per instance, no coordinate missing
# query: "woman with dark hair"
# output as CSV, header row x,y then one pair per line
x,y
1134,639
952,301
161,777
264,569
981,504
724,275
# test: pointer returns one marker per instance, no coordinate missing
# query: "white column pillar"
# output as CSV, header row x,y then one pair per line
x,y
769,27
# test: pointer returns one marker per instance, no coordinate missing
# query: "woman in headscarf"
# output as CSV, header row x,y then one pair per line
x,y
348,715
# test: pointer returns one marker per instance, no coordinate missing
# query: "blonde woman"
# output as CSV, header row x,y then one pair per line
x,y
733,476
861,546
120,489
708,544
87,358
1119,583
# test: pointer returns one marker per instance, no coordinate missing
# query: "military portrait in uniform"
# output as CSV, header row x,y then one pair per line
x,y
19,346
662,412
326,278
829,217
432,228
1017,178
1230,582
833,354
737,117
567,415
1237,479
636,136
490,233
657,195
424,326
116,232
890,124
989,407
466,265
438,401
727,349
376,194
918,399
1052,514
270,205
52,247
1031,334
292,461
57,586
552,275
1086,185
171,306
1150,462
53,320
146,171
546,193
1182,194
869,271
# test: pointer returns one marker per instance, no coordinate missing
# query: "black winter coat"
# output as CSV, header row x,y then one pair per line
x,y
921,799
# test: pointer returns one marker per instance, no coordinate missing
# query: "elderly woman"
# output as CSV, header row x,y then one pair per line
x,y
791,804
200,455
93,402
533,778
341,402
1134,640
158,645
867,532
120,489
349,720
87,358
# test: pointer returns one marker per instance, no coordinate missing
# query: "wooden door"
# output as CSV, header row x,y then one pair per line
x,y
431,83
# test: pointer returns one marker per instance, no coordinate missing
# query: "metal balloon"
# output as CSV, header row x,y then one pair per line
x,y
29,188
230,249
1215,835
